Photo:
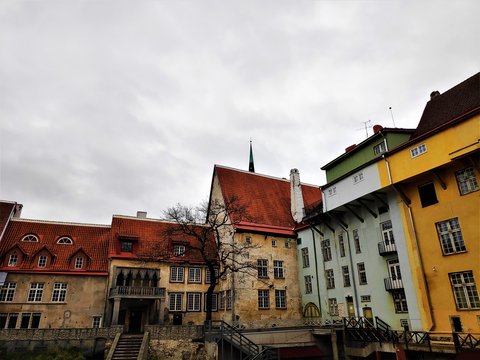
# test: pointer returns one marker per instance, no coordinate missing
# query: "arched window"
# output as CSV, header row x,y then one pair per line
x,y
311,311
30,238
65,240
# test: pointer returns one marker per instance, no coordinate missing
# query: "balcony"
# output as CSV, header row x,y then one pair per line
x,y
386,249
137,292
392,284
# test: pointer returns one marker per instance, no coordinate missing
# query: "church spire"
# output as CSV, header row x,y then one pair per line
x,y
251,166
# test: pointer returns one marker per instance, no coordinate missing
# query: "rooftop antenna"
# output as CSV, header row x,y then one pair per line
x,y
391,114
366,126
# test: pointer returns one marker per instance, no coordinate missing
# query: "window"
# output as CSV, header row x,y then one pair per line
x,y
65,240
278,269
287,244
281,299
176,274
330,278
418,150
12,321
175,302
263,299
387,232
127,246
13,259
308,284
262,268
400,301
194,301
356,241
208,276
467,181
450,236
7,291
30,238
427,194
228,296
362,274
221,302
346,276
365,298
299,241
79,262
379,148
248,240
357,178
59,292
326,250
36,292
30,321
179,250
42,261
214,302
274,243
96,321
194,275
305,258
341,245
465,290
333,307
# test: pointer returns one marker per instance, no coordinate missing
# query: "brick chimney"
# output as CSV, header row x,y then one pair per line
x,y
296,197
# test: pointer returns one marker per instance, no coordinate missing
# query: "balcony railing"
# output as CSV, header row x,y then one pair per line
x,y
137,292
393,284
385,249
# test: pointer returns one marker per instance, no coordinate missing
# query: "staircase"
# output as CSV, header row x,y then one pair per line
x,y
128,347
245,349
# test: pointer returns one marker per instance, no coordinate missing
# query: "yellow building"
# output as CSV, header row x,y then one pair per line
x,y
435,176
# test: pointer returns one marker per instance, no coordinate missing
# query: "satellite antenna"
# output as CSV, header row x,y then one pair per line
x,y
366,126
391,114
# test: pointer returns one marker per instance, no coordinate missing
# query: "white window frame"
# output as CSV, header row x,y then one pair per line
x,y
280,299
305,257
418,150
278,272
387,232
30,238
221,300
7,291
13,260
178,250
42,261
326,250
464,290
263,299
333,307
330,278
96,321
274,243
59,293
65,240
177,274
35,293
194,301
450,236
467,181
308,284
195,275
400,301
175,301
380,148
262,268
79,262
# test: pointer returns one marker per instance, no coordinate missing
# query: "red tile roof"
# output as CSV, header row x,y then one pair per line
x,y
7,209
151,239
267,198
453,103
92,240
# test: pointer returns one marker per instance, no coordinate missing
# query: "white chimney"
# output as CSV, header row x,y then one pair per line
x,y
296,197
141,214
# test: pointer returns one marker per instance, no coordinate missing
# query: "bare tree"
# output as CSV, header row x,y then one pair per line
x,y
212,227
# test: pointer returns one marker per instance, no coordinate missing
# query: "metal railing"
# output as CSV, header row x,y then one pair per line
x,y
137,291
393,284
384,249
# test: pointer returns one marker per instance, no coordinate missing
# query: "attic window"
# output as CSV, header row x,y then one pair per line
x,y
65,240
179,250
379,148
127,246
418,150
42,261
79,262
30,238
12,261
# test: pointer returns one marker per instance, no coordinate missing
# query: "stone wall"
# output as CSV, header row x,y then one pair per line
x,y
182,350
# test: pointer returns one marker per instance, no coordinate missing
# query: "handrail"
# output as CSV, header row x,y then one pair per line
x,y
137,291
114,345
143,353
230,333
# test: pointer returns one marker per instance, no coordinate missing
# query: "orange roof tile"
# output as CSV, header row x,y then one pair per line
x,y
266,198
92,240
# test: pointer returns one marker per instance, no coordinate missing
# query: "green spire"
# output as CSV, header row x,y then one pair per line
x,y
251,166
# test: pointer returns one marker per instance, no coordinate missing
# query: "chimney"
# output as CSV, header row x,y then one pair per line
x,y
377,128
296,197
141,214
17,211
350,148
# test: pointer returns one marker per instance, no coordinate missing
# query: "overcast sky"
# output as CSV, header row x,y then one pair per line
x,y
109,107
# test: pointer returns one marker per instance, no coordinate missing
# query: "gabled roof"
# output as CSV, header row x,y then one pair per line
x,y
267,198
442,108
7,211
153,240
92,239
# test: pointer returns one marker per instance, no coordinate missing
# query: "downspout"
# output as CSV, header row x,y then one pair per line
x,y
415,239
313,227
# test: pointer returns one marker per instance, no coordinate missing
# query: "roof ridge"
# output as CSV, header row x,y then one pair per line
x,y
131,217
60,222
263,175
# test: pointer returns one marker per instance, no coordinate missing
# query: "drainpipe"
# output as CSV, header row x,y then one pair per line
x,y
415,239
313,227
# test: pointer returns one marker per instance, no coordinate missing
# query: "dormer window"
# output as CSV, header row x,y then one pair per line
x,y
79,262
30,238
127,246
12,261
65,240
178,250
42,261
379,148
